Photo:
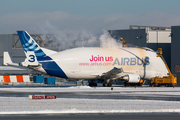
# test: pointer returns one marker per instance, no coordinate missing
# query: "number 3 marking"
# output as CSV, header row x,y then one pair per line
x,y
32,58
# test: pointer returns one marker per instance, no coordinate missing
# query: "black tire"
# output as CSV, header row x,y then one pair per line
x,y
105,84
125,84
109,85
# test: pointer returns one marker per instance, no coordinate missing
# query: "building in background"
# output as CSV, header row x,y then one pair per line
x,y
153,37
175,51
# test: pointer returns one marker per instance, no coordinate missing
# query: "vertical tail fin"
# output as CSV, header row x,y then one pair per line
x,y
29,44
37,58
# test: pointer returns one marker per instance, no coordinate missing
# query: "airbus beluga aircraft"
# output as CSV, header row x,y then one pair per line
x,y
107,64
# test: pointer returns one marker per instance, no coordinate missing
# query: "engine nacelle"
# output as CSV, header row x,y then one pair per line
x,y
132,78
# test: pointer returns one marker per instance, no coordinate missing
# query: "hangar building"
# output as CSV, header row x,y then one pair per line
x,y
153,37
175,48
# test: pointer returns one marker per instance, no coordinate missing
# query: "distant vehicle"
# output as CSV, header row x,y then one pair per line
x,y
130,64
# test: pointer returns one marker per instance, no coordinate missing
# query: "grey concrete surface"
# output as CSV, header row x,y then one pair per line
x,y
120,116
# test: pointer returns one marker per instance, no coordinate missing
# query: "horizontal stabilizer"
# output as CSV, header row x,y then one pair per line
x,y
7,60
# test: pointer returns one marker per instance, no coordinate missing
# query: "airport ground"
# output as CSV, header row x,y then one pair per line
x,y
84,102
95,116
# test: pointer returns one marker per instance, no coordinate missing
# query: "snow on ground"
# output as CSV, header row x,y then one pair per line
x,y
152,93
121,90
22,105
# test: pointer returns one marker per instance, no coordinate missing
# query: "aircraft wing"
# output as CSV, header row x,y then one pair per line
x,y
114,73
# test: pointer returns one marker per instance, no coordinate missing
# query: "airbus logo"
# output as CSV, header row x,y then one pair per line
x,y
131,61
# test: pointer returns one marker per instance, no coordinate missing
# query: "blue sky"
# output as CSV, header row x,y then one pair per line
x,y
90,15
90,7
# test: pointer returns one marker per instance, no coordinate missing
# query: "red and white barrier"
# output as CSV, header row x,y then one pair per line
x,y
42,96
14,78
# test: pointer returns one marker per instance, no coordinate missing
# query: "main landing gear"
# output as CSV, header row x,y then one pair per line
x,y
93,83
107,83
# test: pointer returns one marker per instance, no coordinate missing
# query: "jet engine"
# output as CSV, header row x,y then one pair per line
x,y
132,78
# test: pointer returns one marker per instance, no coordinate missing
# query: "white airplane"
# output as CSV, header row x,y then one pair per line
x,y
107,64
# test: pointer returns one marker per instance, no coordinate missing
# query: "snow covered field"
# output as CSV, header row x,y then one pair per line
x,y
22,105
93,89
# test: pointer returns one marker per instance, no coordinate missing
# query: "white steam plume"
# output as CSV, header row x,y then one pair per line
x,y
107,41
68,39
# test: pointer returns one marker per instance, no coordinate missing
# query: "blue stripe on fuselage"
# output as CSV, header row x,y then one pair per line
x,y
51,67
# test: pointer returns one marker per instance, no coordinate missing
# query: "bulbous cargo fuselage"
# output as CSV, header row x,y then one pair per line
x,y
89,62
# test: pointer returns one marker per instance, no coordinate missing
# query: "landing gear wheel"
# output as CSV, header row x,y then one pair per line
x,y
125,84
109,84
105,84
